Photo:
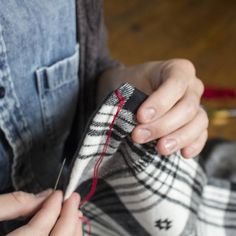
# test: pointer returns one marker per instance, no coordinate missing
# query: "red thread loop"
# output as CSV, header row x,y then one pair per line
x,y
97,165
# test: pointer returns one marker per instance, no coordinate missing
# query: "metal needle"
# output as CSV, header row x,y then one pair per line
x,y
59,175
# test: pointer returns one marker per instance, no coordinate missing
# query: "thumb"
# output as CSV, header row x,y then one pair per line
x,y
20,204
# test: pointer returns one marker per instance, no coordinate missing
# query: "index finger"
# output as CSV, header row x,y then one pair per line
x,y
68,222
20,204
46,218
43,222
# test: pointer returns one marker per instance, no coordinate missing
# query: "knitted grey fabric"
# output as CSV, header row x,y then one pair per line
x,y
140,192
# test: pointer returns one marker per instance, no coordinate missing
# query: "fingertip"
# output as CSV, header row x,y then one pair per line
x,y
57,196
141,135
189,152
160,149
146,114
134,136
54,200
167,146
58,193
44,194
76,197
73,200
196,147
80,214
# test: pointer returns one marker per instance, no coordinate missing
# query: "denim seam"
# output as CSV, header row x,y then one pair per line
x,y
20,139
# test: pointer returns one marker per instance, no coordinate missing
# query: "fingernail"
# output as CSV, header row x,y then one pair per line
x,y
170,145
80,214
149,114
189,151
76,198
144,134
45,193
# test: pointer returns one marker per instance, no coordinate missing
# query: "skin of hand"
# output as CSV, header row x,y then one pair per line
x,y
171,114
51,217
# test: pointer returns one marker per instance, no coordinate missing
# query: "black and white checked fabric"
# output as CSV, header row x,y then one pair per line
x,y
140,192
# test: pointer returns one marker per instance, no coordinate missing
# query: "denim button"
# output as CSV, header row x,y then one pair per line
x,y
2,92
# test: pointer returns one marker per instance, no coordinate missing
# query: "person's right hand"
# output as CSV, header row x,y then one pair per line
x,y
52,218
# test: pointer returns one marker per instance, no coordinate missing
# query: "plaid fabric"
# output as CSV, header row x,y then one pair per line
x,y
140,192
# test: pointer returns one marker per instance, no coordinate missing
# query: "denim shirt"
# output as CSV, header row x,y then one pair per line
x,y
38,88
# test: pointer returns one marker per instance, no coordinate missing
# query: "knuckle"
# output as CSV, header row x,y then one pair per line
x,y
200,86
185,64
204,117
159,131
162,106
181,84
22,200
20,197
201,141
188,64
205,136
190,109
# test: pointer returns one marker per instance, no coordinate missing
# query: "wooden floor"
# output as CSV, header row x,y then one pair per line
x,y
203,31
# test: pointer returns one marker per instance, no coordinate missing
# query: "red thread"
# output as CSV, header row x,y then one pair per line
x,y
97,165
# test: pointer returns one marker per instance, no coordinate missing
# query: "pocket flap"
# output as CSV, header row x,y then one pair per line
x,y
60,73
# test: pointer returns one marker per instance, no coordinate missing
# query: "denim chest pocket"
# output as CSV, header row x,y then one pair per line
x,y
58,87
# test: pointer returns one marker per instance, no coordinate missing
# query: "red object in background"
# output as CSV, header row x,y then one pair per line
x,y
217,93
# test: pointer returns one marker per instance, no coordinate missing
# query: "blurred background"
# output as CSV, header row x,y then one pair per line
x,y
203,31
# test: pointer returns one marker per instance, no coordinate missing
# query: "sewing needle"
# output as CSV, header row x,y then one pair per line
x,y
59,175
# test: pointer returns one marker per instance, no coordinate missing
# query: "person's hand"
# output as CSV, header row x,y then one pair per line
x,y
52,218
172,113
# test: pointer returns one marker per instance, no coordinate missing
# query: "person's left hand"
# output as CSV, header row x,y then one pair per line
x,y
50,216
172,113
